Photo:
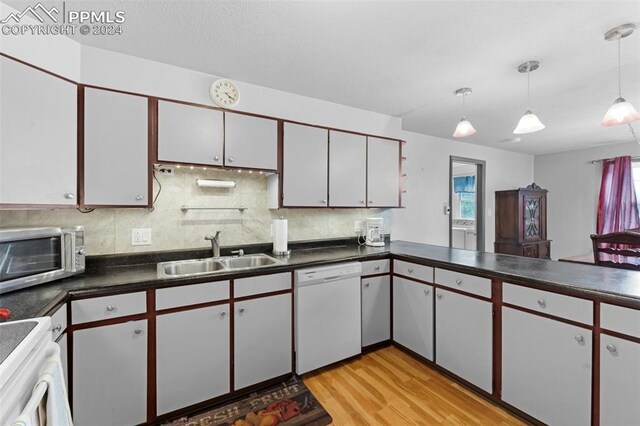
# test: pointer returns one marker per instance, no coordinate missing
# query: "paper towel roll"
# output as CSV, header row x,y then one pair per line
x,y
280,236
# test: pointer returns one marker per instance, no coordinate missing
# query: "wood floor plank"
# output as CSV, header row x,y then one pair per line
x,y
389,387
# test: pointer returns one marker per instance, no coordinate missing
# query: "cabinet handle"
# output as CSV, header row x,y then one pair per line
x,y
139,197
137,331
366,284
69,196
216,158
459,281
612,348
439,295
542,303
231,159
426,291
57,328
410,270
223,314
377,268
111,308
242,310
579,338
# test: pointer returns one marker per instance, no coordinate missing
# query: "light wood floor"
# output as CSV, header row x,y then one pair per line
x,y
389,387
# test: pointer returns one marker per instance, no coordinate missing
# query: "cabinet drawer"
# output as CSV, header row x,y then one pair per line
x,y
261,284
622,320
464,282
412,270
549,303
102,308
192,294
59,321
374,267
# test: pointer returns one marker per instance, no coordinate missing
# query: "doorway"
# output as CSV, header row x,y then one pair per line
x,y
466,203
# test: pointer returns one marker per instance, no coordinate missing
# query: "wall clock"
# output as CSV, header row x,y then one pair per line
x,y
224,93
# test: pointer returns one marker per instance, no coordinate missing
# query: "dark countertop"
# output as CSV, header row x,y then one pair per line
x,y
606,284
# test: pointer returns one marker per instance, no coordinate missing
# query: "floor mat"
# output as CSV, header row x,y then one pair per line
x,y
288,404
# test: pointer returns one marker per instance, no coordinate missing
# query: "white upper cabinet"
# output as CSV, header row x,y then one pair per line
x,y
250,142
116,165
383,172
305,169
347,169
189,134
38,137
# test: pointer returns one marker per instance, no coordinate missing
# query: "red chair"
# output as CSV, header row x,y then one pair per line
x,y
617,250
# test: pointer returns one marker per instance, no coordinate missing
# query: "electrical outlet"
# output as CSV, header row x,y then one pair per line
x,y
166,170
141,236
358,226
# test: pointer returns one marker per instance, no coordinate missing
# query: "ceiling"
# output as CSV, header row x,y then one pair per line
x,y
406,58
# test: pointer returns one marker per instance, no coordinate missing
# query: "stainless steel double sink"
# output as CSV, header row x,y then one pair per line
x,y
194,267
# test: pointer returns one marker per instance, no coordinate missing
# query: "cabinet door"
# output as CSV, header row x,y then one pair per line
x,y
546,368
192,356
464,337
305,166
188,134
376,307
619,381
262,333
116,164
413,316
383,172
62,342
110,375
347,169
250,142
38,136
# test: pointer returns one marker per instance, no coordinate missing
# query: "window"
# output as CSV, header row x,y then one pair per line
x,y
467,205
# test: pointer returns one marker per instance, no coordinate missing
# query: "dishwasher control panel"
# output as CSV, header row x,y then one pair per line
x,y
328,273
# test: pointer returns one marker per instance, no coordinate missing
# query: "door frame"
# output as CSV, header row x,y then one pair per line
x,y
480,198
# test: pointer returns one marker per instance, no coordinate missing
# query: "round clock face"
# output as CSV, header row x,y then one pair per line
x,y
224,93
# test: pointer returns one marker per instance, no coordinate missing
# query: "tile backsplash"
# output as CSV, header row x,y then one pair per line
x,y
108,231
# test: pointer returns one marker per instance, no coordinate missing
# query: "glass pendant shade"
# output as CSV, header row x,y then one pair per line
x,y
621,112
464,128
529,123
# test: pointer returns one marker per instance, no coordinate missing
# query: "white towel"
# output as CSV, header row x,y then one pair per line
x,y
51,383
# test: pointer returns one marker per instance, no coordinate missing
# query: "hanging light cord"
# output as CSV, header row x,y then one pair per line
x,y
528,89
619,71
463,96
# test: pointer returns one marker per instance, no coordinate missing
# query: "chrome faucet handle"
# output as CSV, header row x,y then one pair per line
x,y
239,252
215,238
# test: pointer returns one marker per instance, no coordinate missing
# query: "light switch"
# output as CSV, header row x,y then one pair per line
x,y
141,237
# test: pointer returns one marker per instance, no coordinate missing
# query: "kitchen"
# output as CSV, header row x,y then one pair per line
x,y
221,225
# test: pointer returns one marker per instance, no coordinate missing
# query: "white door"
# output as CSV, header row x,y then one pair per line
x,y
546,368
38,137
347,169
464,337
619,381
193,356
305,166
189,134
376,309
262,339
250,142
116,164
413,316
110,375
383,172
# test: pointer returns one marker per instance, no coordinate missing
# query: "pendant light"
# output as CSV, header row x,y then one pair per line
x,y
529,122
621,112
464,127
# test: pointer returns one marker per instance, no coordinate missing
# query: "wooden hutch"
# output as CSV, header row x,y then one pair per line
x,y
521,222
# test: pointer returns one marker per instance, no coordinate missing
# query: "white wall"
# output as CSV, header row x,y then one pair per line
x,y
427,186
572,203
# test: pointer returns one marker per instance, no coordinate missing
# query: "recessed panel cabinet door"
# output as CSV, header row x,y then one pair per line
x,y
262,339
38,137
413,316
305,166
347,169
250,142
546,368
116,165
189,134
383,172
110,375
193,360
464,337
376,307
619,381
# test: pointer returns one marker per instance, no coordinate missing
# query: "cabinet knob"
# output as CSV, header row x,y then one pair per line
x,y
439,295
216,158
362,202
223,314
111,308
410,270
370,201
459,281
377,268
612,348
139,197
542,303
69,196
426,291
324,201
57,328
579,338
231,159
366,284
242,310
137,331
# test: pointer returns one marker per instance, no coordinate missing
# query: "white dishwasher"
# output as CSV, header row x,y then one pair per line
x,y
327,315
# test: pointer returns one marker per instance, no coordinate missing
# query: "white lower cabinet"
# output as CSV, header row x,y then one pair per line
x,y
376,307
546,368
413,316
110,375
192,356
262,339
619,381
464,337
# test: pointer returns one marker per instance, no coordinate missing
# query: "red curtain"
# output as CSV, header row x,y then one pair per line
x,y
617,205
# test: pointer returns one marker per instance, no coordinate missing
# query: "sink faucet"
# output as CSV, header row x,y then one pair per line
x,y
215,243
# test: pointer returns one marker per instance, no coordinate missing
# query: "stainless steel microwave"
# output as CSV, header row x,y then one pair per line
x,y
32,256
